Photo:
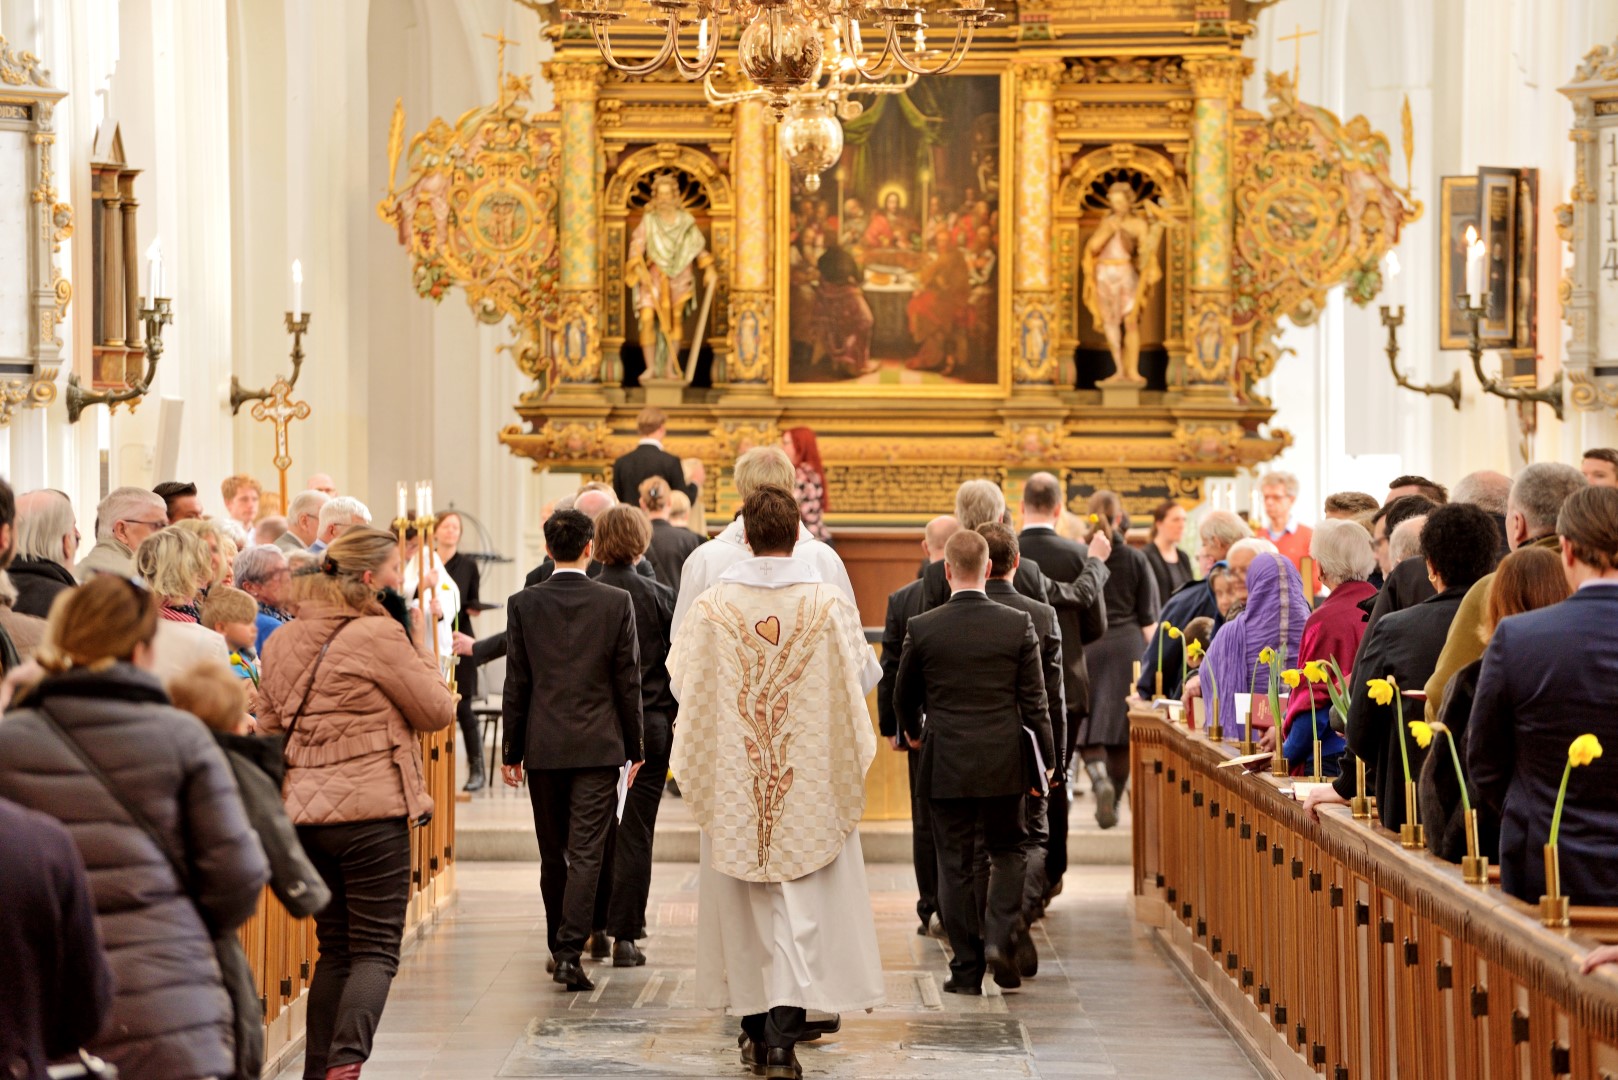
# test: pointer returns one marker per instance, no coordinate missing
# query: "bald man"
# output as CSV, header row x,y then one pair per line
x,y
903,604
323,483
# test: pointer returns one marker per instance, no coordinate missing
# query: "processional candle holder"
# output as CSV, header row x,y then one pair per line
x,y
1411,833
1360,805
1554,908
1474,867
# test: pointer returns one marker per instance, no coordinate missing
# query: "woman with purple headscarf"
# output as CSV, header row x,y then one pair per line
x,y
1273,619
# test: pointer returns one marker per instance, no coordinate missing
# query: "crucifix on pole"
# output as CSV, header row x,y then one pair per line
x,y
1296,37
279,410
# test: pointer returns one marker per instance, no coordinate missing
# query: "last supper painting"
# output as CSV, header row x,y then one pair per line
x,y
894,257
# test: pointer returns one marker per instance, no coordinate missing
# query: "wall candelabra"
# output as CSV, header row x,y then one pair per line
x,y
1543,395
1393,319
159,315
297,326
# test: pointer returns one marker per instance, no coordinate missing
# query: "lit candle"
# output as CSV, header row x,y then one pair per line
x,y
702,36
154,271
1474,267
297,290
429,486
403,506
1393,266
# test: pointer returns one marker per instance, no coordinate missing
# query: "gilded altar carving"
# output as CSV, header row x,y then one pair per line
x,y
1030,442
733,438
1316,207
1127,70
569,441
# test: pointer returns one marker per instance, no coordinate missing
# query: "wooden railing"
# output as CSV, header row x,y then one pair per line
x,y
282,949
1333,951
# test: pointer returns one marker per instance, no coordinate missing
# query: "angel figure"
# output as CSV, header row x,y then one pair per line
x,y
1120,269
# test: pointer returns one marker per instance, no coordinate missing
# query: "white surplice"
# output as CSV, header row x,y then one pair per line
x,y
793,938
708,563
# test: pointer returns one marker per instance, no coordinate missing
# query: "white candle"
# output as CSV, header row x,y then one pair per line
x,y
403,506
421,505
429,486
154,271
297,290
1393,266
1474,266
702,36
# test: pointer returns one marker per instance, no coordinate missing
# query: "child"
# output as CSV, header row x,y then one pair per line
x,y
219,699
1228,592
1199,630
234,615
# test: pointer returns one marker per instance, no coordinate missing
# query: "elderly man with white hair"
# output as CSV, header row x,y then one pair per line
x,y
46,544
759,467
338,516
303,521
125,517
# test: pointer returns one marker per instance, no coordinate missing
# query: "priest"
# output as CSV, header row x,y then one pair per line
x,y
771,670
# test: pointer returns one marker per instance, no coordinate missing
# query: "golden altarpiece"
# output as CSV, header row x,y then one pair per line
x,y
1254,216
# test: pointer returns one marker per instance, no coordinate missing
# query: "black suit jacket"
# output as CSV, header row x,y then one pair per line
x,y
572,694
1049,632
643,463
1063,560
1406,587
903,605
671,546
972,667
654,614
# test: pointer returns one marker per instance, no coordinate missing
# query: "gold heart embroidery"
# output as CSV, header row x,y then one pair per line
x,y
769,629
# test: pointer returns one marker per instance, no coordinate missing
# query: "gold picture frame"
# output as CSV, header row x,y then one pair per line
x,y
1458,208
786,385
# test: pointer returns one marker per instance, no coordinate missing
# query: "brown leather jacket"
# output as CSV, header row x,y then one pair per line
x,y
353,754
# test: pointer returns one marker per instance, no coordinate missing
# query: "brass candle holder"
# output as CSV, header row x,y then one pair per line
x,y
1393,318
1531,395
159,315
1360,804
1474,867
1554,908
1411,833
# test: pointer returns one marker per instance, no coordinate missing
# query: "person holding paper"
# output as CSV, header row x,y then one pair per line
x,y
572,718
771,669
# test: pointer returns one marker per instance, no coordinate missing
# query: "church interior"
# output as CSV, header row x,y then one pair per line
x,y
1190,261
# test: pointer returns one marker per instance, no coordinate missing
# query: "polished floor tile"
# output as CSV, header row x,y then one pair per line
x,y
473,1002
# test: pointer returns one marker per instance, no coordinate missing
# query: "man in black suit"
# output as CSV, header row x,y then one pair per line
x,y
650,459
572,716
972,667
1003,559
902,605
1063,560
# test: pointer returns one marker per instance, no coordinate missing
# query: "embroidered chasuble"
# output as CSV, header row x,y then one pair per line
x,y
771,670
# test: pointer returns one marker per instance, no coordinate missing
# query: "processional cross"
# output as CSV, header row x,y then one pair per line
x,y
1296,37
280,410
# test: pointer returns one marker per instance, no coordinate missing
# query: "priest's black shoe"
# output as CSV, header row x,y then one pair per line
x,y
1001,965
970,989
781,1063
1026,956
572,976
600,947
814,1029
752,1054
625,953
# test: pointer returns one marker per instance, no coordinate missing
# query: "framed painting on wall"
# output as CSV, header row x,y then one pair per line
x,y
895,274
1458,208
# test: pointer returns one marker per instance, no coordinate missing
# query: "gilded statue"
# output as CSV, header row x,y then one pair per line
x,y
663,250
1120,269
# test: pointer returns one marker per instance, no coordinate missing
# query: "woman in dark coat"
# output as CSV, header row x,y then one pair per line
x,y
1132,608
172,1018
1171,565
671,545
463,570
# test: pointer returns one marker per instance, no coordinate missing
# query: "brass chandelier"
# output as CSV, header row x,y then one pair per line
x,y
783,43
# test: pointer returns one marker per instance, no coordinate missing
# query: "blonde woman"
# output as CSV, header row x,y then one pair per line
x,y
177,566
221,548
350,692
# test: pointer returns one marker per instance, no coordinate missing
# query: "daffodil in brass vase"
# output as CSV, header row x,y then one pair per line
x,y
1386,692
1553,906
1275,662
1474,866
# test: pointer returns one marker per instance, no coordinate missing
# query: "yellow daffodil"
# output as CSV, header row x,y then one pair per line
x,y
1174,632
1585,749
1292,677
1194,650
1422,732
1315,671
1095,519
1266,655
1381,690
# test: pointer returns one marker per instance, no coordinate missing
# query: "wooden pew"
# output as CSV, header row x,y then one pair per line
x,y
1332,951
282,950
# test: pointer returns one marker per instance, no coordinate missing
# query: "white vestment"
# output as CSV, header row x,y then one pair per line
x,y
771,670
449,600
707,562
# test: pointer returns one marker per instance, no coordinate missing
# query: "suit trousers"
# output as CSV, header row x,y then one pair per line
x,y
1056,806
573,809
922,851
1035,812
632,855
957,827
781,1027
367,867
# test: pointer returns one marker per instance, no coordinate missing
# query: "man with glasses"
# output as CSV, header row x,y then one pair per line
x,y
262,573
124,518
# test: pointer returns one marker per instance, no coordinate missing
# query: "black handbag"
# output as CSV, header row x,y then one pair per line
x,y
234,972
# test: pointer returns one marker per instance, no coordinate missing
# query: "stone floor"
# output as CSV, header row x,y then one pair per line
x,y
473,1000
